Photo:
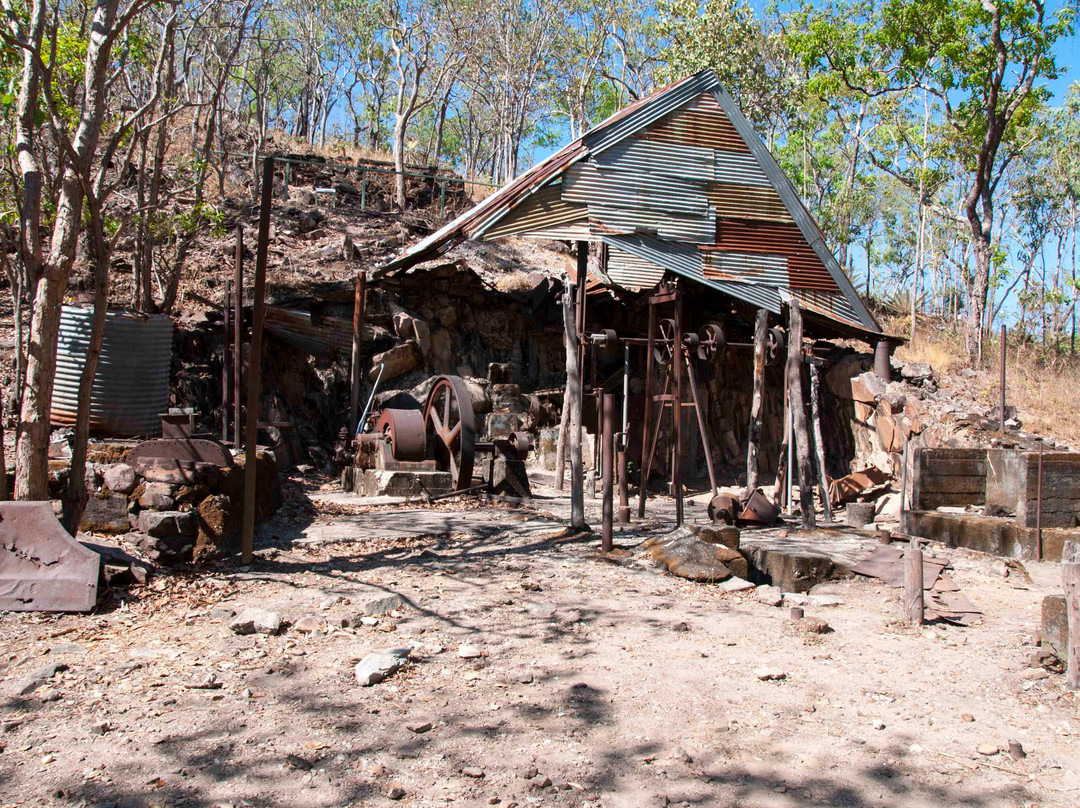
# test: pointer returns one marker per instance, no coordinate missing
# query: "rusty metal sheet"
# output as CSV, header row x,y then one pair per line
x,y
666,159
886,562
742,201
190,450
585,183
805,270
703,126
665,226
319,336
41,567
828,304
631,272
543,210
685,260
770,270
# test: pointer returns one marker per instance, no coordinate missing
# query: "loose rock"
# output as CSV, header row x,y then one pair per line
x,y
256,621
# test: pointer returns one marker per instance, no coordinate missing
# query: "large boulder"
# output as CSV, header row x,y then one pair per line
x,y
106,514
120,478
685,555
398,361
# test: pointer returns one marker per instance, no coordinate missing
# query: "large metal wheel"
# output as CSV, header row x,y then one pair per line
x,y
775,346
712,342
664,343
451,429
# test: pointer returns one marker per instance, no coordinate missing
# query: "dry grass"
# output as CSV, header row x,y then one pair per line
x,y
1043,385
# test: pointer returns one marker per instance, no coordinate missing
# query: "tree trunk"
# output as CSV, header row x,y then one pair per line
x,y
75,497
753,440
798,417
574,402
400,124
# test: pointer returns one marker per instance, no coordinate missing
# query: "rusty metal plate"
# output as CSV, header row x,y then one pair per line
x,y
190,450
41,567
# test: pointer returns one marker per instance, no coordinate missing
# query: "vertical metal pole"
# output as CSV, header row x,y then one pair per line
x,y
643,487
358,327
1038,508
701,425
442,199
285,187
226,361
790,457
903,487
676,365
238,331
255,361
624,443
606,543
363,189
1002,424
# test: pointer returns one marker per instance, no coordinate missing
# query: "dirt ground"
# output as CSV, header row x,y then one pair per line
x,y
602,682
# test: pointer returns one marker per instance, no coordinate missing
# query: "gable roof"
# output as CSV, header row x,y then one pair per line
x,y
677,182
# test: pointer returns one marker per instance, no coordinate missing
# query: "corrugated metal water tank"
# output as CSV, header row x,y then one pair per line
x,y
131,386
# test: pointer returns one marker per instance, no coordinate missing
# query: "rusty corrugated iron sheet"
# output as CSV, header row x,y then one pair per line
x,y
747,202
697,127
829,304
804,268
131,385
544,210
631,272
654,177
318,336
770,270
665,226
664,159
587,184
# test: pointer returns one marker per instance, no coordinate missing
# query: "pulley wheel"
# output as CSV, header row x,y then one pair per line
x,y
404,430
451,429
712,342
664,344
723,508
775,346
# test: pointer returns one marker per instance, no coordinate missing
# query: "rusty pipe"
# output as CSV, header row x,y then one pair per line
x,y
226,360
606,543
1001,426
1038,507
238,330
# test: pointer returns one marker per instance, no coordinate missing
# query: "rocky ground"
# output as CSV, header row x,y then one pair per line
x,y
530,670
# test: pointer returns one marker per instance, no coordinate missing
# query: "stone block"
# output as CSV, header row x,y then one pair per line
x,y
106,515
120,478
1054,632
216,517
376,483
158,496
163,524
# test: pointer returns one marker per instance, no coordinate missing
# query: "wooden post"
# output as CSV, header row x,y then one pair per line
x,y
574,402
1070,578
358,328
780,487
560,448
761,334
255,361
913,584
819,443
238,332
798,417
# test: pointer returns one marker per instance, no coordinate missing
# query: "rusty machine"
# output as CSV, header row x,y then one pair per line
x,y
442,438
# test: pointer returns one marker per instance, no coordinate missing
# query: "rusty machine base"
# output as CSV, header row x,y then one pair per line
x,y
434,452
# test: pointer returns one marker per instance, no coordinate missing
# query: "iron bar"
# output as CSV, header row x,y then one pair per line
x,y
255,360
701,425
226,360
624,442
1001,426
1038,508
650,370
358,328
367,407
238,331
606,544
677,470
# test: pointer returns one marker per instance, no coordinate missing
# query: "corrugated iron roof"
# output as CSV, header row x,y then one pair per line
x,y
654,178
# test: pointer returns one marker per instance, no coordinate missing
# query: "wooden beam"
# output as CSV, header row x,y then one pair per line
x,y
1070,578
913,584
798,417
819,443
574,402
761,333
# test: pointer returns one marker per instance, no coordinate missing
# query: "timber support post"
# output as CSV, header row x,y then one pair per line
x,y
1070,579
573,402
255,361
753,441
819,442
357,338
798,417
913,584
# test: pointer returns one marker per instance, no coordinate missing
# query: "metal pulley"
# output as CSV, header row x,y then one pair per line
x,y
775,345
404,431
